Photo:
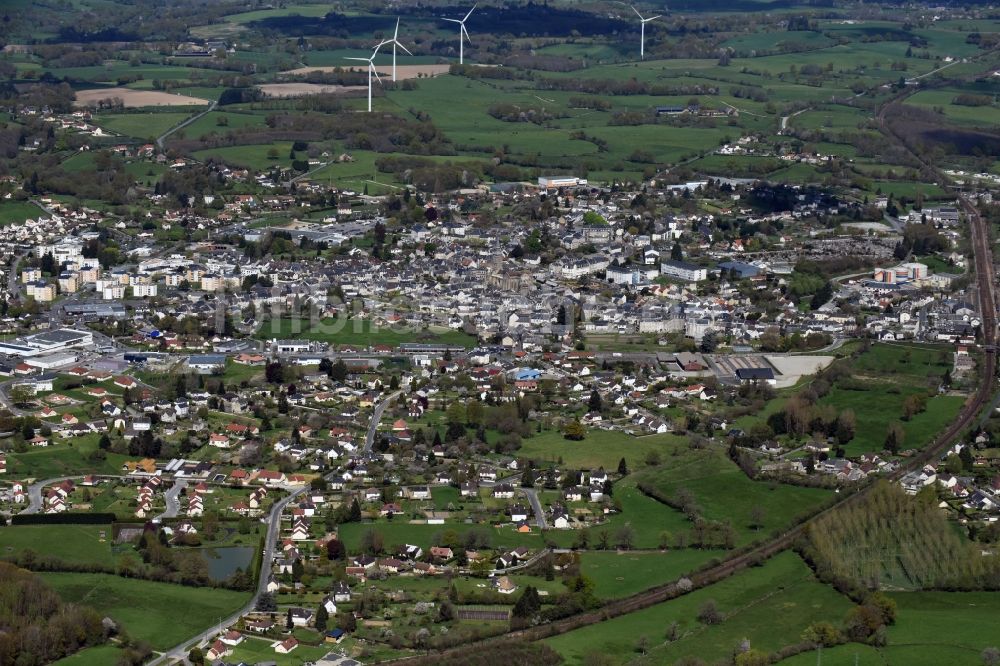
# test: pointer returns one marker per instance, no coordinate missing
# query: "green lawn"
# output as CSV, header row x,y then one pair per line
x,y
100,655
260,156
770,606
143,126
964,622
600,448
69,459
626,573
876,408
257,650
359,332
72,543
160,613
725,493
15,212
905,359
647,517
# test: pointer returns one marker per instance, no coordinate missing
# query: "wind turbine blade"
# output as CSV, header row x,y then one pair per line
x,y
636,12
451,20
395,35
361,59
470,12
466,32
375,72
651,18
404,48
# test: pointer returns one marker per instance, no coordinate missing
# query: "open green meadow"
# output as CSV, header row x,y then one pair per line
x,y
160,613
888,374
77,544
600,448
874,417
724,493
75,456
620,574
770,605
359,332
100,655
141,126
15,212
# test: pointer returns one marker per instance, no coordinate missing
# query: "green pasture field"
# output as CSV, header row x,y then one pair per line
x,y
882,404
63,459
830,117
913,360
851,654
981,116
146,173
160,613
770,605
141,125
770,41
360,332
83,161
620,574
600,448
736,165
99,655
15,212
909,189
648,518
78,544
112,70
725,493
209,123
252,156
963,620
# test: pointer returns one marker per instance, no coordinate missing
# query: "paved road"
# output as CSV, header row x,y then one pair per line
x,y
379,410
273,532
35,493
536,506
179,652
172,499
163,137
13,283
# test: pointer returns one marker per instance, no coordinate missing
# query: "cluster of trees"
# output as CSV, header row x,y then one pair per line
x,y
515,113
627,87
38,627
890,538
920,239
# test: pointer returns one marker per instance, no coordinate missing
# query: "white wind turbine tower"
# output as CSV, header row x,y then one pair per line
x,y
395,42
462,31
371,70
642,38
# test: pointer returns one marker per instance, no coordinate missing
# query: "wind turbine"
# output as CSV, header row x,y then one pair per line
x,y
462,31
642,38
395,42
371,70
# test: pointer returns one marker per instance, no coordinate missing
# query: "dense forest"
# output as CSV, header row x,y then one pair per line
x,y
36,627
